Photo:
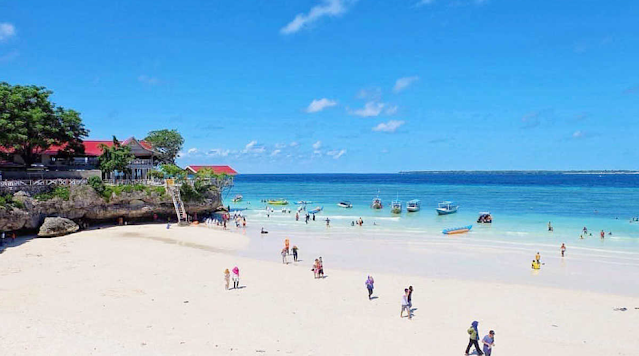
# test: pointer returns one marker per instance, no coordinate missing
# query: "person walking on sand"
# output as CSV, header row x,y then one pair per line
x,y
284,256
563,249
410,298
236,277
489,343
287,244
538,257
328,222
295,253
405,305
315,269
473,336
227,277
370,285
320,274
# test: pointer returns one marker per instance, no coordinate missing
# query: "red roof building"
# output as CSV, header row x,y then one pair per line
x,y
216,169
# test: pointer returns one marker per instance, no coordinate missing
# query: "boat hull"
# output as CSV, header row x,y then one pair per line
x,y
457,230
412,209
445,211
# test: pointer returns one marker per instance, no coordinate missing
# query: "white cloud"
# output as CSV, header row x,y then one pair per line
x,y
294,144
319,105
325,8
390,126
191,151
371,108
218,152
317,145
148,80
578,134
275,153
253,147
403,83
374,93
7,31
336,154
392,110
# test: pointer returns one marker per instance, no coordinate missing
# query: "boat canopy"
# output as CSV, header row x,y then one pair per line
x,y
414,201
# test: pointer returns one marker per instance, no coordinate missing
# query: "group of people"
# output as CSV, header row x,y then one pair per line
x,y
236,278
318,268
407,303
287,251
536,263
488,342
359,222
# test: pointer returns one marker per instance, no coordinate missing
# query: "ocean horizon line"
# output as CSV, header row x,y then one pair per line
x,y
594,172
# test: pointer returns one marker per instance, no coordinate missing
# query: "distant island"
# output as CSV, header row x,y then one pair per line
x,y
523,172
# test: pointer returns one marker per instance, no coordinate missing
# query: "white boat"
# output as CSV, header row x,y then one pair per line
x,y
446,207
345,204
413,205
396,206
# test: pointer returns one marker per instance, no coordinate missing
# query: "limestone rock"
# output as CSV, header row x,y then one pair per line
x,y
57,227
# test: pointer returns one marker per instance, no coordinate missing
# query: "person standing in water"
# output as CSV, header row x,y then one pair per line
x,y
489,343
328,222
602,234
370,285
550,226
563,249
473,336
227,277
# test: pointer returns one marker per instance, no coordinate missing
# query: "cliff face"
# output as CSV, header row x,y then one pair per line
x,y
85,203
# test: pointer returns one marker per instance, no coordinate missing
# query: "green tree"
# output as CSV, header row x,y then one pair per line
x,y
173,171
31,123
115,158
167,142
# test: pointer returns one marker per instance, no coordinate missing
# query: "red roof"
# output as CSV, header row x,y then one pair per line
x,y
216,169
92,147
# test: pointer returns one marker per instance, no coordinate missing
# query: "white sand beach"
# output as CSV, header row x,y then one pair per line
x,y
145,290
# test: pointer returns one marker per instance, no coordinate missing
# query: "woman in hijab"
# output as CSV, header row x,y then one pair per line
x,y
236,277
474,338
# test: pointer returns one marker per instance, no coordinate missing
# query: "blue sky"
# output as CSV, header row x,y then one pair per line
x,y
344,85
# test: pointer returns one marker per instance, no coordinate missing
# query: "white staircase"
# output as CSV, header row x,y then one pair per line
x,y
174,190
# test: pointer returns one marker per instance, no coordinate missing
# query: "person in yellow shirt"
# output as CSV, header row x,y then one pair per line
x,y
535,265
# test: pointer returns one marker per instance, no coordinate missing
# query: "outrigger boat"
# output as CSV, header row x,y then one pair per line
x,y
278,202
303,202
396,206
457,230
446,207
238,198
377,202
316,210
345,204
413,205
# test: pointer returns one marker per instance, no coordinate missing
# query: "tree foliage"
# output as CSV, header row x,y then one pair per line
x,y
31,123
167,142
115,158
173,171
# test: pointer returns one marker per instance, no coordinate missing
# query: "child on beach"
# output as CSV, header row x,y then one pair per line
x,y
474,336
284,256
536,265
320,273
489,343
563,249
315,269
227,276
236,277
370,285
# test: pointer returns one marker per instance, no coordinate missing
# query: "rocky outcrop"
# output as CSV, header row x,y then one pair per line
x,y
53,227
86,204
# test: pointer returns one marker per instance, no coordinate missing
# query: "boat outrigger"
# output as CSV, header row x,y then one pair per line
x,y
485,218
457,230
413,205
278,202
446,207
396,206
316,210
345,204
238,198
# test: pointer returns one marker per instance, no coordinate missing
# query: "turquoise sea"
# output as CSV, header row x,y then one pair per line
x,y
521,206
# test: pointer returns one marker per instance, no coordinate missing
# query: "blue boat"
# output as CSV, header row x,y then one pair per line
x,y
457,230
316,210
446,207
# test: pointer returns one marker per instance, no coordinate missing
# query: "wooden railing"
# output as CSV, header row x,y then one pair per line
x,y
17,184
